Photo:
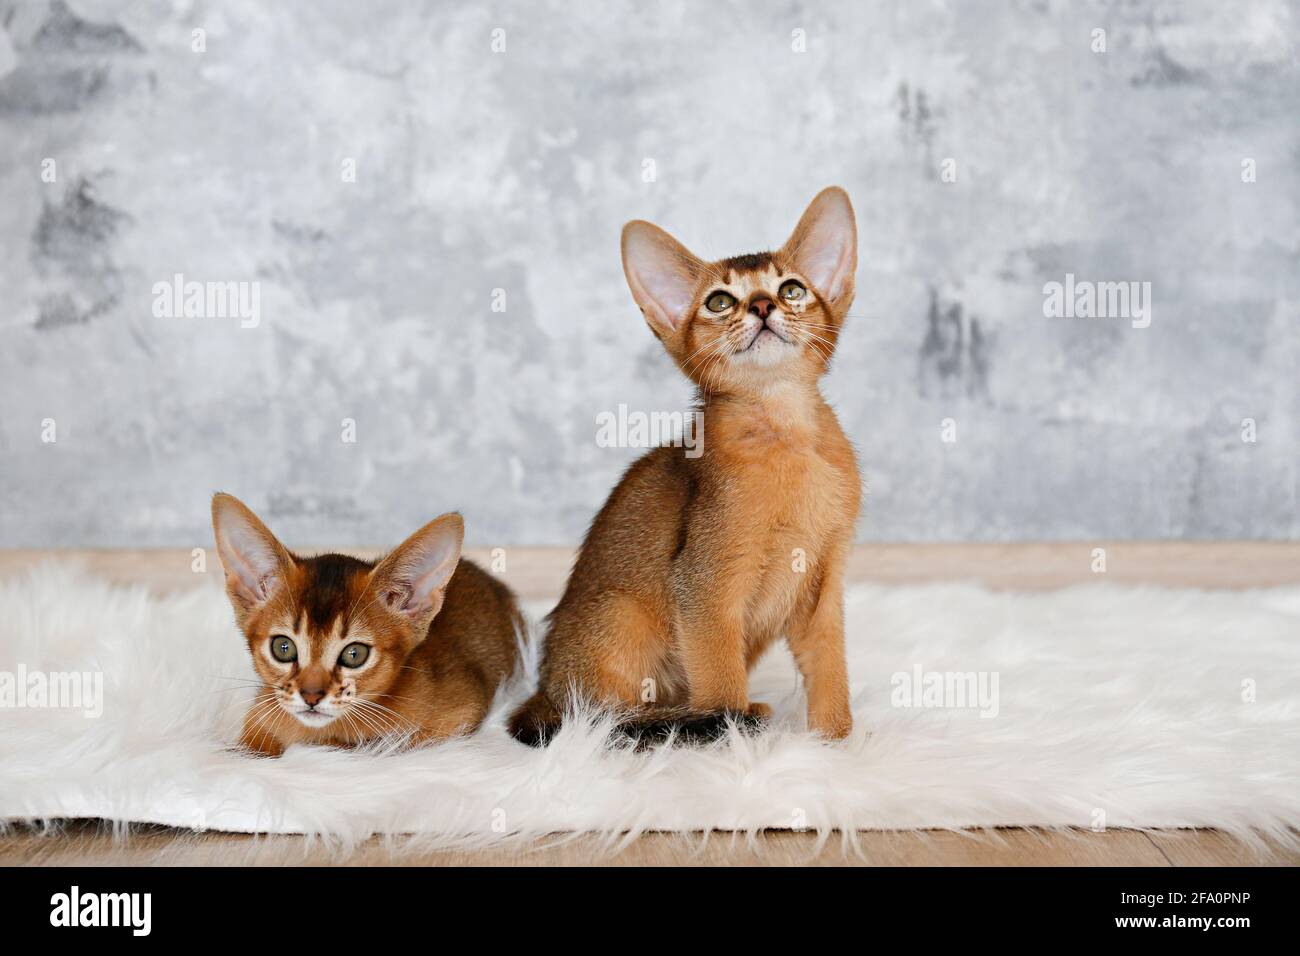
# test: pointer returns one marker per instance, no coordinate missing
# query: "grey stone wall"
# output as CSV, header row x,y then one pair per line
x,y
432,226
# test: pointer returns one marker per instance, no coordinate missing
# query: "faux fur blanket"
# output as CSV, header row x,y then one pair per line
x,y
1091,707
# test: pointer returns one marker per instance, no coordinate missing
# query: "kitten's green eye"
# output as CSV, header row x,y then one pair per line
x,y
354,655
719,302
792,291
283,649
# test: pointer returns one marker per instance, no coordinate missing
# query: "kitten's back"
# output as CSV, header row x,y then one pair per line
x,y
480,625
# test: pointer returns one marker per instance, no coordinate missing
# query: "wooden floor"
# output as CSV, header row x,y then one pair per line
x,y
540,572
87,843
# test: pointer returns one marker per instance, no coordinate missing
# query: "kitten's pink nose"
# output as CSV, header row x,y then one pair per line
x,y
761,306
311,697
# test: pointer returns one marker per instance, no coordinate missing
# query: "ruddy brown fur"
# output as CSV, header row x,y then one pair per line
x,y
441,634
694,566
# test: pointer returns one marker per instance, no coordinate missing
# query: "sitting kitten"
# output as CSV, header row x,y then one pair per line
x,y
696,565
349,650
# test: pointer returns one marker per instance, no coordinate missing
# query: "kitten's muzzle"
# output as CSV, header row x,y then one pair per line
x,y
768,321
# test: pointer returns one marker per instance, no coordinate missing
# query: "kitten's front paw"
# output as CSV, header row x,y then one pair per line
x,y
834,728
759,711
259,745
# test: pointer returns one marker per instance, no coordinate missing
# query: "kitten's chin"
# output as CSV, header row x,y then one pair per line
x,y
766,349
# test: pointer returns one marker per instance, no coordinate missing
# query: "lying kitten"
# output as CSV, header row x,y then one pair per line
x,y
696,565
349,650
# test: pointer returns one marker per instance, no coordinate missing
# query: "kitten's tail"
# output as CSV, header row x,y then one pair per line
x,y
536,722
688,727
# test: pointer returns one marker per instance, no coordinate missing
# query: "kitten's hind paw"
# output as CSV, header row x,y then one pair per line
x,y
536,722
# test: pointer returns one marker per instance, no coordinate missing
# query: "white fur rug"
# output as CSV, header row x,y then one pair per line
x,y
1114,707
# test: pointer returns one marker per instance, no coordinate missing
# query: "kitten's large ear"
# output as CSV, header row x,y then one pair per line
x,y
411,581
254,560
661,272
824,246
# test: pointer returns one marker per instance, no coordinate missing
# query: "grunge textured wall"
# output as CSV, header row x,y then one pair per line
x,y
428,198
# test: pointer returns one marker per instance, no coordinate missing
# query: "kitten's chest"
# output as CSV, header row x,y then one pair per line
x,y
790,502
793,483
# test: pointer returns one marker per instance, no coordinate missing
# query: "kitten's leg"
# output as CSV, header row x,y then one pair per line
x,y
257,738
711,590
711,645
816,637
419,709
621,664
457,721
